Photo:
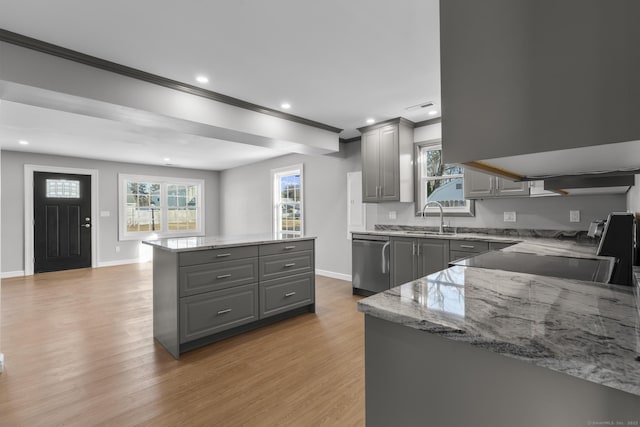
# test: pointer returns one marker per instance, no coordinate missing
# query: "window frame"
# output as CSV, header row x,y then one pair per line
x,y
276,174
164,181
468,210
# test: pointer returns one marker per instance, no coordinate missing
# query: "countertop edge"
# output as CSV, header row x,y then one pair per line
x,y
159,245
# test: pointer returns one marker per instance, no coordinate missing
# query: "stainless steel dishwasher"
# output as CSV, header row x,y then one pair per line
x,y
370,264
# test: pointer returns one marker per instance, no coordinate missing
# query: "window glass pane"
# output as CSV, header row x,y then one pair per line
x,y
171,190
63,188
449,192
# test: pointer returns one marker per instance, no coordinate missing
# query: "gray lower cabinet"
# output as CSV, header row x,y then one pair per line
x,y
202,296
415,258
212,312
281,295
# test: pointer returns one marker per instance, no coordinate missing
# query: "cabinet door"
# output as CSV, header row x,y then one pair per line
x,y
389,164
370,165
403,261
477,185
506,187
433,255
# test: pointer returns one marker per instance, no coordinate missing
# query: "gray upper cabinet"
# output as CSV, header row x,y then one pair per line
x,y
533,76
387,157
478,185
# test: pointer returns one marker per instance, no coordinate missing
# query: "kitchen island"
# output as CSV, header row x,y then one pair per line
x,y
482,347
209,288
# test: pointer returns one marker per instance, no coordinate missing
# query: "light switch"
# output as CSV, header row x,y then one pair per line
x,y
509,217
574,216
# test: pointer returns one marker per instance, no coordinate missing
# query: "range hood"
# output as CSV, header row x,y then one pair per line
x,y
541,89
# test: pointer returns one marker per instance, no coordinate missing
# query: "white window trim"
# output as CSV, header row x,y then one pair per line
x,y
274,188
468,210
29,218
164,181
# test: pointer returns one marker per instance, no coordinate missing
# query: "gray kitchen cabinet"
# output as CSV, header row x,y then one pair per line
x,y
465,248
517,79
415,258
478,185
496,246
387,158
204,295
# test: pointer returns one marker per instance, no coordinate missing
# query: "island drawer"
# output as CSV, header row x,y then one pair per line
x,y
474,246
217,255
286,247
213,312
200,278
280,295
273,266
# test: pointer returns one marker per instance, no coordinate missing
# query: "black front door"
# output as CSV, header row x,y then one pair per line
x,y
62,228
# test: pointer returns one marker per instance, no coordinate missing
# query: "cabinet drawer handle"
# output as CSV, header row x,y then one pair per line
x,y
289,294
223,276
224,311
291,264
290,247
467,246
222,255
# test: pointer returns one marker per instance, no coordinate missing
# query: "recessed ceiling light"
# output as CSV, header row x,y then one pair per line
x,y
167,159
23,142
285,105
202,79
433,112
371,121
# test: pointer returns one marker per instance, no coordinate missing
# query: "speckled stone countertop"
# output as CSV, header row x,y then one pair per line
x,y
584,329
540,242
184,244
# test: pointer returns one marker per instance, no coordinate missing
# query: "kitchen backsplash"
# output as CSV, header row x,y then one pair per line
x,y
547,213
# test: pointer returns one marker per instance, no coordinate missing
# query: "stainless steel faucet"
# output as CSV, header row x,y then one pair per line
x,y
441,213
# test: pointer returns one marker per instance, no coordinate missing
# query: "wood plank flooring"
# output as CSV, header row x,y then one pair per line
x,y
79,350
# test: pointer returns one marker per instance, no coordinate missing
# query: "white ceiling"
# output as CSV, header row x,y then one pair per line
x,y
337,62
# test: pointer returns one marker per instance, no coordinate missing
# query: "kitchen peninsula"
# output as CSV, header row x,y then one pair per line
x,y
472,346
209,288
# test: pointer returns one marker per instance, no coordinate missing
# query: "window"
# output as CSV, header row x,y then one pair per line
x,y
287,191
154,207
63,189
439,182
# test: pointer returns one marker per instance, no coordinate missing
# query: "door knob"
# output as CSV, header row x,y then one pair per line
x,y
86,225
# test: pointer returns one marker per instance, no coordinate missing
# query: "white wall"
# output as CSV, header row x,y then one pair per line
x,y
12,201
633,197
246,201
541,212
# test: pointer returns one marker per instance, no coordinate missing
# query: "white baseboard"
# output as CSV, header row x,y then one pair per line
x,y
9,274
119,262
333,275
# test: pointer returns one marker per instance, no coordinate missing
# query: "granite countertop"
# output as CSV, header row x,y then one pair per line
x,y
184,244
584,329
529,242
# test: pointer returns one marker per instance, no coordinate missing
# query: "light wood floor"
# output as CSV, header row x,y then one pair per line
x,y
79,350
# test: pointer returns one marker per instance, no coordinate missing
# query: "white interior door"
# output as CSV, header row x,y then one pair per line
x,y
356,216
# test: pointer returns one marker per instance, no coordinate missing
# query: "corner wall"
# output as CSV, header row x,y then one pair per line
x,y
246,202
12,204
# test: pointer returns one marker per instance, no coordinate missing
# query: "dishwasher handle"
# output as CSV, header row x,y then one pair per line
x,y
385,261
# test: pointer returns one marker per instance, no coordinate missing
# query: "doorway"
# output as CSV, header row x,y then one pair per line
x,y
62,221
78,247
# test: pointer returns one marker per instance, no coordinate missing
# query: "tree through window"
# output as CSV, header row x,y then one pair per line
x,y
287,200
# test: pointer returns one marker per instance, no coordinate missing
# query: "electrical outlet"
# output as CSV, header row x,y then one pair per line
x,y
117,248
509,217
574,216
393,215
